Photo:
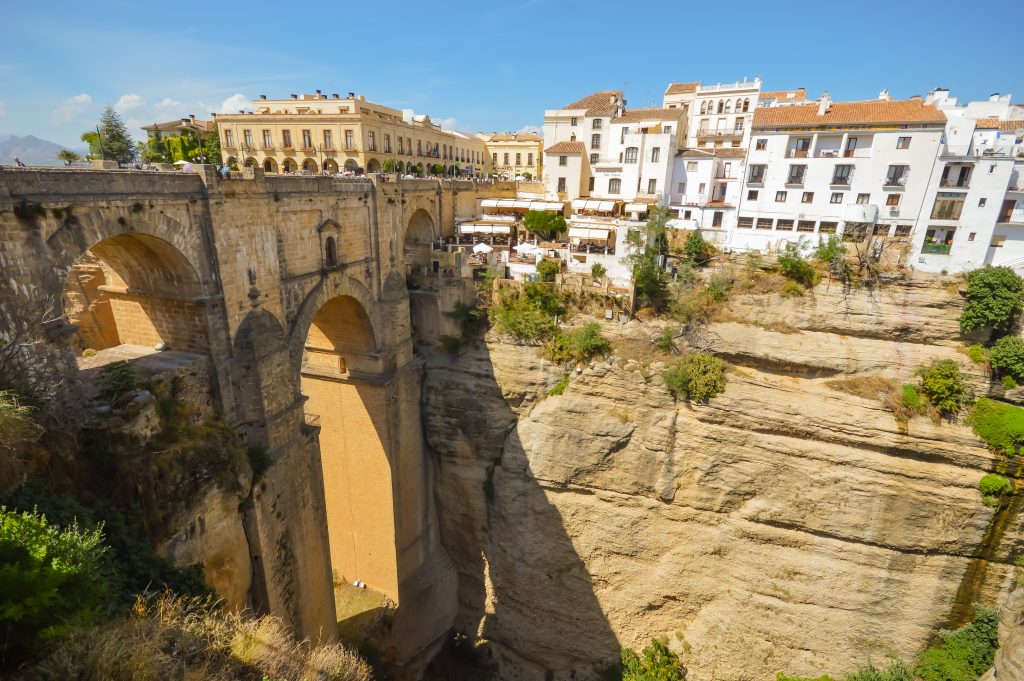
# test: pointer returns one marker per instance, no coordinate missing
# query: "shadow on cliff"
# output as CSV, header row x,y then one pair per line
x,y
525,595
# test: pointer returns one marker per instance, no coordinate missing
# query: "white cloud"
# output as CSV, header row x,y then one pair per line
x,y
3,110
234,103
530,128
70,109
447,123
128,102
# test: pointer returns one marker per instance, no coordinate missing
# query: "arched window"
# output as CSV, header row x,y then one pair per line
x,y
739,103
704,107
728,107
331,256
746,105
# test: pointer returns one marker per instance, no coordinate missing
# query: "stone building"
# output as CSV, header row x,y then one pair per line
x,y
514,154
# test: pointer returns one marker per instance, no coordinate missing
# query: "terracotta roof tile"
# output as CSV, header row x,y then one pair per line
x,y
177,124
870,111
1002,126
719,152
797,95
682,88
513,137
639,115
566,148
598,104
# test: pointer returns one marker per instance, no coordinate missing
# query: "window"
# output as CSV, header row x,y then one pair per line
x,y
764,223
687,214
828,227
745,223
614,185
597,124
329,140
668,129
851,145
529,159
228,142
401,150
805,226
307,140
631,154
982,202
350,142
519,159
808,197
506,159
938,240
802,145
757,174
761,143
841,174
561,184
728,107
595,141
837,197
780,197
691,166
738,125
892,200
286,138
991,169
902,231
494,158
970,237
880,230
786,225
752,195
331,256
573,121
652,186
700,189
387,144
998,240
562,160
419,150
897,176
716,219
903,143
796,174
682,188
948,206
372,142
863,199
622,134
594,158
655,154
248,137
746,105
268,141
703,107
409,144
721,106
590,184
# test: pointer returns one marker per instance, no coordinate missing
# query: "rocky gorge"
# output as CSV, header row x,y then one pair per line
x,y
789,525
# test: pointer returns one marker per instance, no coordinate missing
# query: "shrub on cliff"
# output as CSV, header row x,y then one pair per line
x,y
943,386
1007,357
696,378
994,298
169,638
794,266
527,314
964,654
579,345
1000,425
654,663
697,249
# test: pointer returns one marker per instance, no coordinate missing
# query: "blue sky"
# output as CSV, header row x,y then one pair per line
x,y
479,66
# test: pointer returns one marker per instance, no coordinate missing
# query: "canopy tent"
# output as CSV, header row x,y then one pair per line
x,y
600,205
588,233
637,207
482,248
523,204
527,248
483,228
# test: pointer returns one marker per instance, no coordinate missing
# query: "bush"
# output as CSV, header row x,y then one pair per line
x,y
1009,383
685,275
547,269
654,663
898,670
598,271
792,289
697,249
994,297
451,345
696,378
719,287
17,427
910,398
666,342
993,485
471,318
50,580
1007,357
830,249
964,654
785,677
559,388
578,345
116,379
943,386
793,265
527,314
977,353
1000,425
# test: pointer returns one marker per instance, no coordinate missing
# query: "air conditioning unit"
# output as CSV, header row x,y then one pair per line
x,y
894,211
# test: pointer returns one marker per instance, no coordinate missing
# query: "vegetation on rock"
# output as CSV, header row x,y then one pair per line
x,y
1007,357
1000,425
547,269
527,313
654,663
696,378
964,654
943,386
794,266
697,250
994,299
579,345
644,245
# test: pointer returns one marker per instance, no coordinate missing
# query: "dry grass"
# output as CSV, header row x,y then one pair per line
x,y
169,638
887,391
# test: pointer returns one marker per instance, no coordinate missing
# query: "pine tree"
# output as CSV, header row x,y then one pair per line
x,y
113,142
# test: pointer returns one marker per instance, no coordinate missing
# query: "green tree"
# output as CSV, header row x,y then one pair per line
x,y
644,246
696,378
1007,357
578,345
392,165
994,298
794,266
654,663
50,580
69,156
153,151
943,386
547,269
697,249
112,143
545,225
211,145
598,271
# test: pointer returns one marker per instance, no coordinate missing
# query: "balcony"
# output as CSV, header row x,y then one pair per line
x,y
796,153
795,181
896,181
958,183
842,181
724,132
936,248
1012,217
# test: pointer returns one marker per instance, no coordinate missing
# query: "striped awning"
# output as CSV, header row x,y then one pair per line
x,y
637,207
593,204
588,233
523,204
483,228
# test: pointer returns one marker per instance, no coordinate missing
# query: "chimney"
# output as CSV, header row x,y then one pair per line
x,y
362,98
824,103
994,97
318,94
351,95
295,96
192,117
263,97
335,95
884,94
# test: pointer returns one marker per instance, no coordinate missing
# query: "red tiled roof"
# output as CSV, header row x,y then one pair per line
x,y
797,95
566,148
682,88
1002,126
598,104
720,152
639,115
178,124
870,111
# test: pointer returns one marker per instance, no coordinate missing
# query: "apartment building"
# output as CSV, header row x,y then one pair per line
x,y
637,164
316,132
573,136
515,154
813,168
704,190
721,114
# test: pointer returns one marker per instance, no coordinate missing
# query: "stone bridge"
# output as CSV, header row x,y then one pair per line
x,y
294,290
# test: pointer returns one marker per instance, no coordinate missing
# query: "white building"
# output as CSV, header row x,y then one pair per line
x,y
572,136
721,114
705,190
814,168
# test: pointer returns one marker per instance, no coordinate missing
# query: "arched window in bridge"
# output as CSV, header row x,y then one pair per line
x,y
331,252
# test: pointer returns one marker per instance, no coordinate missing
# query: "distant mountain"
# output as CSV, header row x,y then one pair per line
x,y
31,150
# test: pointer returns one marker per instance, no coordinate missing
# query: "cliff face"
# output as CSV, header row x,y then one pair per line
x,y
786,526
